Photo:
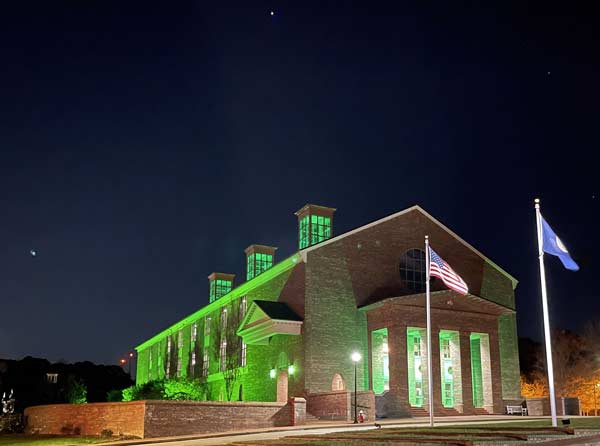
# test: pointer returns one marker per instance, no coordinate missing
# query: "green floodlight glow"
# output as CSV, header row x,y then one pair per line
x,y
291,369
380,360
272,373
476,370
241,290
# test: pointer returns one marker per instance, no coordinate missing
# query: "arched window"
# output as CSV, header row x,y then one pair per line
x,y
413,271
338,382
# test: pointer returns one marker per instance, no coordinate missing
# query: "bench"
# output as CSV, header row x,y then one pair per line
x,y
516,410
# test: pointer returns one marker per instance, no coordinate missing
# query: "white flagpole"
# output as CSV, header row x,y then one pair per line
x,y
538,216
428,303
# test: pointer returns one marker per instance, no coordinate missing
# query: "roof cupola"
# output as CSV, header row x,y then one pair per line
x,y
315,224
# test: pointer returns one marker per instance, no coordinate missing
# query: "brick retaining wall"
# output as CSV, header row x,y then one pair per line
x,y
167,418
146,419
86,419
339,405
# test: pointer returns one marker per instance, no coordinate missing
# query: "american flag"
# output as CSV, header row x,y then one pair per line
x,y
439,268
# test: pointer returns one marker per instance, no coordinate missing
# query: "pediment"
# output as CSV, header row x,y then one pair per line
x,y
265,319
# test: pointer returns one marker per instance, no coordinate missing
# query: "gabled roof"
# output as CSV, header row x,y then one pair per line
x,y
266,319
277,310
398,214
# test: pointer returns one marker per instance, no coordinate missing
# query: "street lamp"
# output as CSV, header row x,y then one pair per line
x,y
127,361
129,364
355,358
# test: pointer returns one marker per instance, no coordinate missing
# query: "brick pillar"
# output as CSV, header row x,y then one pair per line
x,y
496,373
396,400
298,408
457,371
466,374
436,370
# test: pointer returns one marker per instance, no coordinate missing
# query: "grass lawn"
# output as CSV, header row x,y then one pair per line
x,y
34,440
576,423
489,432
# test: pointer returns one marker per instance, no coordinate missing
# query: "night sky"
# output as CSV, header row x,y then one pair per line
x,y
144,145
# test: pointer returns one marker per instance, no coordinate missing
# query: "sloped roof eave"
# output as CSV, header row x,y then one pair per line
x,y
305,251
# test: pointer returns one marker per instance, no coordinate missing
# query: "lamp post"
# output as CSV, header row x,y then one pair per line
x,y
127,361
129,364
355,358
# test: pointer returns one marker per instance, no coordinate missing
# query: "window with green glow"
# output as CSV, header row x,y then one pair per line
x,y
263,262
258,263
219,288
223,355
476,371
205,363
242,308
168,355
243,354
448,360
150,364
414,340
380,361
250,267
194,332
320,228
303,232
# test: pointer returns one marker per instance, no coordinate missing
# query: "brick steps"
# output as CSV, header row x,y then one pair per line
x,y
443,412
447,412
418,412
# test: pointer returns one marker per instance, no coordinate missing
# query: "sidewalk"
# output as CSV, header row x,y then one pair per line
x,y
339,426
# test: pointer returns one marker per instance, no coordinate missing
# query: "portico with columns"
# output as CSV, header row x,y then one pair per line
x,y
465,361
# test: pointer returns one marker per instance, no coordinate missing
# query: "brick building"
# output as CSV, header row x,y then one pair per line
x,y
290,329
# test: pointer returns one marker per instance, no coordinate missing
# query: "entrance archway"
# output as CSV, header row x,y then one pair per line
x,y
282,386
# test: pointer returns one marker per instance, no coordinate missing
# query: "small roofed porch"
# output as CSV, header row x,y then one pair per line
x,y
265,319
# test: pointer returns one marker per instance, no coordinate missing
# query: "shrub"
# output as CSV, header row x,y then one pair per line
x,y
106,433
152,390
184,389
114,396
170,389
76,391
11,423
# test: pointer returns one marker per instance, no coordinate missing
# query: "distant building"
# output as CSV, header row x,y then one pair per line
x,y
299,320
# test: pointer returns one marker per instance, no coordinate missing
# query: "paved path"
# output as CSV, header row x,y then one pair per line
x,y
316,429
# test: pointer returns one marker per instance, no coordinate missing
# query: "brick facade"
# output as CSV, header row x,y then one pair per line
x,y
343,289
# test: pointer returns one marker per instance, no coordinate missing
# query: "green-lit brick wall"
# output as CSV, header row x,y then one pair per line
x,y
334,328
254,378
498,288
509,356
